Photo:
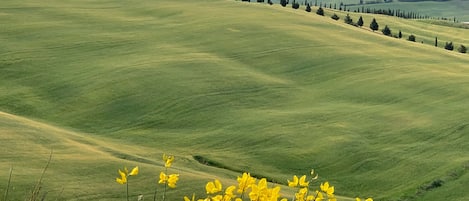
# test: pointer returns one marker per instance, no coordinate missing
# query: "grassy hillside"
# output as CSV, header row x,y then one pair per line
x,y
253,87
437,9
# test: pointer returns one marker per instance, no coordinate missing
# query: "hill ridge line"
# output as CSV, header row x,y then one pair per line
x,y
78,140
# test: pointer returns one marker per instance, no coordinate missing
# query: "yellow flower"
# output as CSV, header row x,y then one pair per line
x,y
172,179
245,182
187,199
302,181
124,174
123,178
331,198
229,193
134,171
262,183
255,193
293,183
163,178
319,196
274,193
217,198
213,187
368,199
300,196
168,160
327,189
259,191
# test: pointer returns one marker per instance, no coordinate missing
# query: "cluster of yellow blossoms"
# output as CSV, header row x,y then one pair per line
x,y
254,189
260,191
171,179
168,180
124,174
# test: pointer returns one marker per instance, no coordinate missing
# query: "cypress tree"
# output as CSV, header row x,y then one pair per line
x,y
449,46
436,42
360,21
308,8
400,34
283,3
348,19
374,25
320,11
295,5
386,31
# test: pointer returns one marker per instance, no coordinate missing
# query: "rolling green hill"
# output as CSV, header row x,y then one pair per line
x,y
258,88
436,9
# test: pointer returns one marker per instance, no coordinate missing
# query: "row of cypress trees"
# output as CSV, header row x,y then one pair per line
x,y
374,26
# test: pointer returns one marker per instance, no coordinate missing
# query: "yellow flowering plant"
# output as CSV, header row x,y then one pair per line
x,y
165,179
259,190
124,174
368,199
168,180
254,189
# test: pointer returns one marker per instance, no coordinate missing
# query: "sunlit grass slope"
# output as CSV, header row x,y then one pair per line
x,y
81,167
253,87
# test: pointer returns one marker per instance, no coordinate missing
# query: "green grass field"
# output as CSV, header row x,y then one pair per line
x,y
264,89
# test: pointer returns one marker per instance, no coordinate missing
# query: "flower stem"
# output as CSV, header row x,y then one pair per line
x,y
154,195
165,184
127,190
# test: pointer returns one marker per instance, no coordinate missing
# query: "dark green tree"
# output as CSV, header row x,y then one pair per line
x,y
335,17
462,49
400,34
374,25
348,19
308,8
320,11
449,46
295,5
436,41
283,3
386,31
360,21
411,38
